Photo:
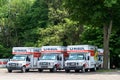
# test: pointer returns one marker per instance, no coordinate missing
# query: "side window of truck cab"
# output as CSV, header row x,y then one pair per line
x,y
27,58
59,58
88,57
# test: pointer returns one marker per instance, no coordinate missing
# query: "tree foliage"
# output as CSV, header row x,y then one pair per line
x,y
101,13
59,22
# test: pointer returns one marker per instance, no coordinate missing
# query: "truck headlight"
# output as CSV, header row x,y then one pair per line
x,y
52,63
49,63
77,63
65,64
20,64
17,64
9,64
80,63
39,63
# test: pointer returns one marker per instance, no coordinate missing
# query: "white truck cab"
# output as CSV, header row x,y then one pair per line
x,y
52,58
81,57
24,58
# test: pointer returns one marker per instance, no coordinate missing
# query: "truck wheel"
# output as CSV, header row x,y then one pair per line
x,y
86,70
53,70
83,70
67,71
27,70
40,70
9,70
76,70
93,69
99,67
23,69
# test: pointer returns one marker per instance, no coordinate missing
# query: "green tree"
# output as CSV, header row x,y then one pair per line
x,y
60,30
10,28
35,18
101,13
93,36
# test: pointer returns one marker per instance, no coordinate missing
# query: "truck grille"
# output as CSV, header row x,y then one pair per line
x,y
44,66
43,63
71,64
13,64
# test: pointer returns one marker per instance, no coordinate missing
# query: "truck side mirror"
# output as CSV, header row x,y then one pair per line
x,y
27,59
99,59
57,57
10,58
60,58
88,58
85,58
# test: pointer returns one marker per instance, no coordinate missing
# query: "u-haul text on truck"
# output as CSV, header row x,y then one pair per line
x,y
24,58
81,57
52,58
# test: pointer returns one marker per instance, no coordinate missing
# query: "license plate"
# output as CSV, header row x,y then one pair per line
x,y
44,63
13,65
44,66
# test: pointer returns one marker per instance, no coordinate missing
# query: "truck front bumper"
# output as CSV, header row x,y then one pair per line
x,y
73,67
46,67
14,68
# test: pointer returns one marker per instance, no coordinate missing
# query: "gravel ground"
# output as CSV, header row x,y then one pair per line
x,y
60,75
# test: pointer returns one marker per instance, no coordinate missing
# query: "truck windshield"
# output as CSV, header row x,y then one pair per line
x,y
76,56
19,58
48,56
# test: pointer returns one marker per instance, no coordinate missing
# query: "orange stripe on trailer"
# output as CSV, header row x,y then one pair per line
x,y
0,62
4,62
37,55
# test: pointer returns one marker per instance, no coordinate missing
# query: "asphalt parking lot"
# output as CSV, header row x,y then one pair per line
x,y
60,75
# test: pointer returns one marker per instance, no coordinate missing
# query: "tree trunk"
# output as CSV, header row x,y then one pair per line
x,y
107,32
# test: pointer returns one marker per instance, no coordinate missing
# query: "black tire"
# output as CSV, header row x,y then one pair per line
x,y
99,67
86,70
9,70
40,70
23,69
93,69
53,69
76,70
27,70
83,70
67,71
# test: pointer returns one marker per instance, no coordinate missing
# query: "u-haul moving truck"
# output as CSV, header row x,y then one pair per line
x,y
24,58
52,58
81,57
100,58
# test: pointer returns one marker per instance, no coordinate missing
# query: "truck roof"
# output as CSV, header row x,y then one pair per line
x,y
81,47
25,50
53,49
100,51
